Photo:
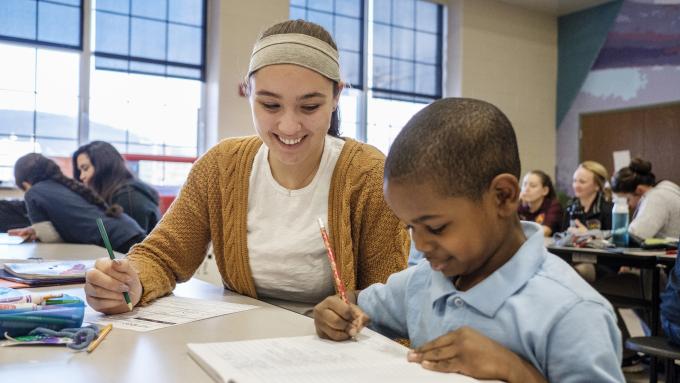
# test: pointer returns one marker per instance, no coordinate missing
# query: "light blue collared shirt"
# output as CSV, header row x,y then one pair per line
x,y
536,305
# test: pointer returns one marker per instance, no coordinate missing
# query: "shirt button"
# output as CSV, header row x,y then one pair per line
x,y
458,302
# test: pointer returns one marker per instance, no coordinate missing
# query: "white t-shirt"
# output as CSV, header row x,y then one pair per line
x,y
288,259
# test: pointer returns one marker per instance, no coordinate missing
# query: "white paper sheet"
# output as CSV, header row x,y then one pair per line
x,y
6,239
621,159
309,359
165,312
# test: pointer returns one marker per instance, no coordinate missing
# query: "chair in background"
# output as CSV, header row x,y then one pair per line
x,y
658,347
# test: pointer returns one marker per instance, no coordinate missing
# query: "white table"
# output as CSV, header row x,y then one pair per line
x,y
155,356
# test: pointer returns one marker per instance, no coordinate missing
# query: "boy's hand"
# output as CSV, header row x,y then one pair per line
x,y
468,352
337,320
106,282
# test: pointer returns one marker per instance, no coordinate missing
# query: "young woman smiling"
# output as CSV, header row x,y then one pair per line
x,y
257,198
539,202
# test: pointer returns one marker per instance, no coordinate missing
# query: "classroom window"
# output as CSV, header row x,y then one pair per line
x,y
38,110
137,84
401,70
54,23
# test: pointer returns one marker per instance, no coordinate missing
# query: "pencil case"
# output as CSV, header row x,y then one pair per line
x,y
53,317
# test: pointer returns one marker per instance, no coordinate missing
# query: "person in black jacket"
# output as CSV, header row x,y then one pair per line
x,y
101,167
64,210
591,207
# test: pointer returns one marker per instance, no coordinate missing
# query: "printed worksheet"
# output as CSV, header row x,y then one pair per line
x,y
165,312
309,359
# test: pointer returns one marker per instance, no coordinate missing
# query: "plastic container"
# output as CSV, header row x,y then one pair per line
x,y
620,222
54,317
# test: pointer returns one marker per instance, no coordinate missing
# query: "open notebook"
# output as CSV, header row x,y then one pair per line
x,y
309,359
50,271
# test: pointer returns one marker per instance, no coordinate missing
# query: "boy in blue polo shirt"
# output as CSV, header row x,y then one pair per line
x,y
489,301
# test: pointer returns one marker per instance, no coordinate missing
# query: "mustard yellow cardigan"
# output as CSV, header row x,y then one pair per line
x,y
369,242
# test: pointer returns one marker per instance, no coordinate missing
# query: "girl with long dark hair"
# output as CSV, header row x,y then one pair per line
x,y
62,209
101,167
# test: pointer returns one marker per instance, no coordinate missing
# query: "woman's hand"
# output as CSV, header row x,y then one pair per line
x,y
27,233
106,282
468,352
578,228
337,320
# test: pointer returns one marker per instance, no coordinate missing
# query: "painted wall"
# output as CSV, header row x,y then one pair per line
x,y
508,56
639,65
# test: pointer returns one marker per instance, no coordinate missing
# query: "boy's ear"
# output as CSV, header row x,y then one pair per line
x,y
505,188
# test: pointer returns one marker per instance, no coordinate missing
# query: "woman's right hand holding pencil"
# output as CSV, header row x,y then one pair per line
x,y
338,320
105,283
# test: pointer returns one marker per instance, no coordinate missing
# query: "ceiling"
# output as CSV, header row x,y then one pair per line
x,y
556,7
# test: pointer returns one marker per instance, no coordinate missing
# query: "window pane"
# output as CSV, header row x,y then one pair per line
x,y
181,44
350,66
300,3
114,6
57,147
381,73
348,33
163,173
148,39
386,118
11,148
427,16
382,11
402,44
57,73
149,8
17,67
381,40
350,103
59,24
297,13
404,14
323,19
147,112
321,5
403,76
16,112
348,7
109,38
167,32
426,48
426,79
17,18
56,116
186,11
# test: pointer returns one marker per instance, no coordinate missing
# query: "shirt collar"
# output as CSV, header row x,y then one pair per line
x,y
490,294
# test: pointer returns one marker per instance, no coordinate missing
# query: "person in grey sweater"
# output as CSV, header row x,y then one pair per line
x,y
656,206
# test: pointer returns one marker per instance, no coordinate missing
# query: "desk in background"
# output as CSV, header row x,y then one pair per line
x,y
652,260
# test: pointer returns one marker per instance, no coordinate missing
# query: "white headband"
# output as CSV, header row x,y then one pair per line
x,y
298,49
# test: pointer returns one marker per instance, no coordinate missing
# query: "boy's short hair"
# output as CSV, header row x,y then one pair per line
x,y
457,144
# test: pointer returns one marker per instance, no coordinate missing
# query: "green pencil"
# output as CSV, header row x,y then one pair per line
x,y
105,237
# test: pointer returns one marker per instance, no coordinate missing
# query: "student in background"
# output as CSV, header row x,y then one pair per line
x,y
257,199
489,301
656,206
591,207
61,209
101,167
539,202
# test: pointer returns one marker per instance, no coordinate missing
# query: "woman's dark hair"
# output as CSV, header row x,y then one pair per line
x,y
315,30
545,181
627,179
110,172
35,168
